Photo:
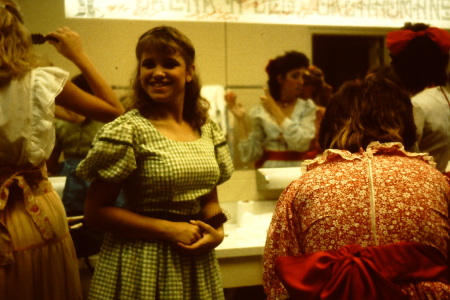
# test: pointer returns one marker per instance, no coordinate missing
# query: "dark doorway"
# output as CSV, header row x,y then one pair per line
x,y
346,57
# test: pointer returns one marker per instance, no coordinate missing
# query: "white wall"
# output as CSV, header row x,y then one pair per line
x,y
228,53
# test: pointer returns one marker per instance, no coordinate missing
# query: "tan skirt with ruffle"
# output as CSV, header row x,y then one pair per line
x,y
43,268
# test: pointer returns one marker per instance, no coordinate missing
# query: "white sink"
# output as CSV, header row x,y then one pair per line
x,y
240,253
245,233
272,181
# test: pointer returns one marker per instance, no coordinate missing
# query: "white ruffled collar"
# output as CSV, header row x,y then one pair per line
x,y
393,148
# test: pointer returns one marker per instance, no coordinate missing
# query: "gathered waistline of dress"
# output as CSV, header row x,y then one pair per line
x,y
169,216
22,183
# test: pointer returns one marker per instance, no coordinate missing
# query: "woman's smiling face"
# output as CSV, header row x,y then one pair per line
x,y
163,76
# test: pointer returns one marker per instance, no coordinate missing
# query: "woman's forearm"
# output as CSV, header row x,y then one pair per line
x,y
210,204
127,224
100,212
68,43
96,81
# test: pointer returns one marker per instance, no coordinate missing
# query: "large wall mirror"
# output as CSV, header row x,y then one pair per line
x,y
235,39
341,57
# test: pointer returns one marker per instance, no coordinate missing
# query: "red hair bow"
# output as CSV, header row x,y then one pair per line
x,y
396,41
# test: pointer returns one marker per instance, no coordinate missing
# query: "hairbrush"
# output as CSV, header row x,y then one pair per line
x,y
39,39
217,219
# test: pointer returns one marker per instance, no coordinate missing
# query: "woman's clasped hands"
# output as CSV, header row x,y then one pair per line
x,y
196,237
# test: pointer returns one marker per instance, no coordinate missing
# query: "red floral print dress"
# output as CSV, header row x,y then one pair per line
x,y
375,197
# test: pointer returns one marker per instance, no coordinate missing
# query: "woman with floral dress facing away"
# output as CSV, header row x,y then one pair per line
x,y
167,157
368,219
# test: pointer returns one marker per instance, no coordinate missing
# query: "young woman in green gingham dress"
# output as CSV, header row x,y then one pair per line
x,y
158,247
159,174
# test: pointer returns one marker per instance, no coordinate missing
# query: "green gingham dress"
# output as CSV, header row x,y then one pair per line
x,y
158,174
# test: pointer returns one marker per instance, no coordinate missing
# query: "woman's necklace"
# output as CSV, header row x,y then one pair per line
x,y
287,103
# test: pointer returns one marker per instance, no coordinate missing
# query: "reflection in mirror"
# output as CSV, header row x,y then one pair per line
x,y
346,57
282,124
271,182
336,58
249,97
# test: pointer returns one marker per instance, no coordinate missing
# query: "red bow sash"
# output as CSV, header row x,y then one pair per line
x,y
354,272
396,41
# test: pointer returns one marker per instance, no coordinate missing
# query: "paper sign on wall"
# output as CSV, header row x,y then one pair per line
x,y
370,13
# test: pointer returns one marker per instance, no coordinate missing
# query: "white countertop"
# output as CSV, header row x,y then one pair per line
x,y
240,242
245,234
240,255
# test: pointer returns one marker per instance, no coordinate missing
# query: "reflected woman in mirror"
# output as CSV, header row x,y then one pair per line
x,y
316,88
368,219
282,127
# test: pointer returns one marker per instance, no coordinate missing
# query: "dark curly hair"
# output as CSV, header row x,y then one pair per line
x,y
169,40
281,65
421,64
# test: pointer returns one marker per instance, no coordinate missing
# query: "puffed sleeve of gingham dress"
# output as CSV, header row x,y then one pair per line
x,y
222,152
111,158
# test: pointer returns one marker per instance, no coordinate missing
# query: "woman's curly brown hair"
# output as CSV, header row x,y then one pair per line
x,y
169,40
375,109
